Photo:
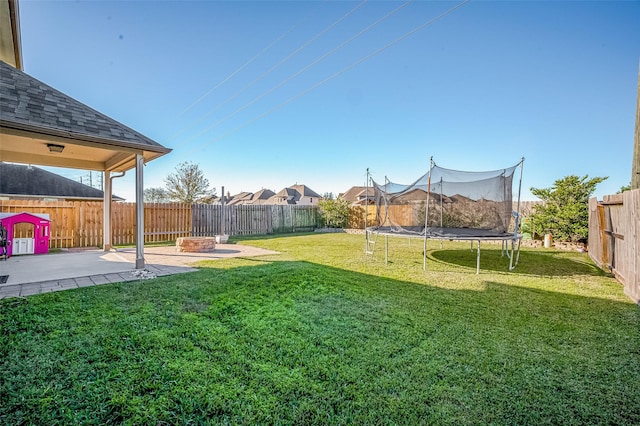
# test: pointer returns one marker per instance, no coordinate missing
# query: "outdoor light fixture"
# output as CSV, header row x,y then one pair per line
x,y
55,148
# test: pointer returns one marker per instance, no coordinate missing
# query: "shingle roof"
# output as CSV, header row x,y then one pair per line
x,y
292,195
19,180
261,196
287,193
284,196
356,194
239,198
305,191
30,105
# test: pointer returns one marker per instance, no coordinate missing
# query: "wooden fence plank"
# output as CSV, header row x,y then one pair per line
x,y
253,219
614,238
631,246
595,236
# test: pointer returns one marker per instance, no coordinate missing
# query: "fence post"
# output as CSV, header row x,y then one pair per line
x,y
222,229
603,237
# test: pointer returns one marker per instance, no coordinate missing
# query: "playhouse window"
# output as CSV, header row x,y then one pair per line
x,y
24,230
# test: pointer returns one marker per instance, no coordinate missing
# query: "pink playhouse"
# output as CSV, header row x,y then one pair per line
x,y
36,240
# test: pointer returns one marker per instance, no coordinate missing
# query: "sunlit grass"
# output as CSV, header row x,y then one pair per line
x,y
322,334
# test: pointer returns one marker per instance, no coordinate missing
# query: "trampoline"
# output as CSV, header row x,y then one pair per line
x,y
446,204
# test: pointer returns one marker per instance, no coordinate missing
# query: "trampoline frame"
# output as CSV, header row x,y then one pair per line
x,y
513,254
453,234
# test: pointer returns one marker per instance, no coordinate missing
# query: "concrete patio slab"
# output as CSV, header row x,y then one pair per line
x,y
29,275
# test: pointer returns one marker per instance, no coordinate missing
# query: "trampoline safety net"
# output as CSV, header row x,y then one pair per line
x,y
443,201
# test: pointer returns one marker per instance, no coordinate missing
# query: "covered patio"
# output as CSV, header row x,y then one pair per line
x,y
42,126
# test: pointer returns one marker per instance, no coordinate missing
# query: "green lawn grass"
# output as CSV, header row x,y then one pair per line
x,y
321,334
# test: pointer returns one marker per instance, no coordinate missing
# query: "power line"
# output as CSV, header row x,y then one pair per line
x,y
273,68
243,66
304,69
88,179
337,74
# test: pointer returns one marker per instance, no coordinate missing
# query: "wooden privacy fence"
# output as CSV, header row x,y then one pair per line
x,y
65,218
614,238
162,222
295,218
357,219
253,219
80,223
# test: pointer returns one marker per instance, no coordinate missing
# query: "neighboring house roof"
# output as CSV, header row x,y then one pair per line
x,y
285,196
29,106
261,197
21,181
357,194
305,191
209,199
415,195
239,198
293,194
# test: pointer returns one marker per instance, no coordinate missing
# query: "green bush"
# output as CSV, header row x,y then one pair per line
x,y
335,213
565,212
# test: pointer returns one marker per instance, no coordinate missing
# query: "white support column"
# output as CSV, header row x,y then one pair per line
x,y
106,222
139,212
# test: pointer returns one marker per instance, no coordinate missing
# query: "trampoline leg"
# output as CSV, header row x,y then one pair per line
x,y
513,265
424,256
386,249
366,242
478,260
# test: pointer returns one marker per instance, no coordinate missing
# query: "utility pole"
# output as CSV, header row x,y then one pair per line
x,y
635,168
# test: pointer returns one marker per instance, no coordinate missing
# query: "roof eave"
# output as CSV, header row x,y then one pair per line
x,y
123,158
42,131
65,197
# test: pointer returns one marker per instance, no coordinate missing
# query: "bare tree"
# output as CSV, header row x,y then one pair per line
x,y
155,195
187,184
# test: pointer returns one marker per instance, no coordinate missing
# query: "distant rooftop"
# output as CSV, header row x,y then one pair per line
x,y
17,180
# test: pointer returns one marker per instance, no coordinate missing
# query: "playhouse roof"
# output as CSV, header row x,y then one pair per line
x,y
44,216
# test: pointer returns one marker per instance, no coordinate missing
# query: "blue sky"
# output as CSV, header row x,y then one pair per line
x,y
269,94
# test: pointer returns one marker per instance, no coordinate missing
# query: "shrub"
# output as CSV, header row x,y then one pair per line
x,y
334,213
565,212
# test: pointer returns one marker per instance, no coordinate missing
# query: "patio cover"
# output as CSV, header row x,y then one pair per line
x,y
40,125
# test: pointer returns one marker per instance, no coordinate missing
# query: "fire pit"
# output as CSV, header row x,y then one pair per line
x,y
196,244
